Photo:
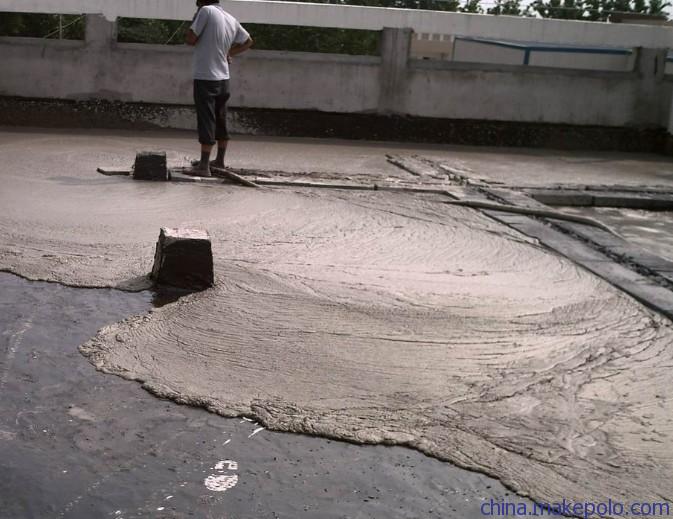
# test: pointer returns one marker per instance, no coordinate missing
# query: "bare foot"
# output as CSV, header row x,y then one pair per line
x,y
197,171
213,163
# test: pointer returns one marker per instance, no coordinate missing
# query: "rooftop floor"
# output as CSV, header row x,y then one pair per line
x,y
373,317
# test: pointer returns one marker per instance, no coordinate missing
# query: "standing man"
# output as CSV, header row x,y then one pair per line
x,y
216,36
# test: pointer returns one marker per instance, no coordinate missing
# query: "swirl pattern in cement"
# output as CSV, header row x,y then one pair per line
x,y
370,317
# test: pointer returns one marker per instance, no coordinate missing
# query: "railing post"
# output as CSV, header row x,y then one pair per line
x,y
395,45
669,137
100,39
99,31
648,104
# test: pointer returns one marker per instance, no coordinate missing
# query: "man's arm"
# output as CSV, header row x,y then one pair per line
x,y
238,48
191,38
198,23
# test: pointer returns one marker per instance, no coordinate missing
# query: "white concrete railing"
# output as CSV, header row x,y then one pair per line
x,y
371,18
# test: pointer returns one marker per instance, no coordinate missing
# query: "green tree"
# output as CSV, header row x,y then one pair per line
x,y
561,9
69,27
472,6
314,39
658,7
597,10
508,8
138,30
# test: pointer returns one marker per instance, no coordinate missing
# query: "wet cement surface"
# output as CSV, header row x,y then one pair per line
x,y
652,230
371,317
514,166
75,443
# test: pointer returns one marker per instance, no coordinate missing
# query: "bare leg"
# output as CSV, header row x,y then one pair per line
x,y
221,152
204,165
205,101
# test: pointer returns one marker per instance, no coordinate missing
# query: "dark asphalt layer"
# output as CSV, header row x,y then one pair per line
x,y
75,443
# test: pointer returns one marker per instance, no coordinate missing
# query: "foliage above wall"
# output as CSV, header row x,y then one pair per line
x,y
67,27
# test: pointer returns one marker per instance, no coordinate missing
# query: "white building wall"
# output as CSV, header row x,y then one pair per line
x,y
502,95
469,51
335,83
477,52
617,62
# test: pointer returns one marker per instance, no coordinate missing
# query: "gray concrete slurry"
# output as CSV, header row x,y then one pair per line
x,y
375,317
75,443
603,251
651,230
355,159
594,244
386,318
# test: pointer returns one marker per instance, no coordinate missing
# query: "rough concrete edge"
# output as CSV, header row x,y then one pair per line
x,y
137,284
624,253
646,285
94,351
613,245
608,256
655,190
590,198
621,274
258,414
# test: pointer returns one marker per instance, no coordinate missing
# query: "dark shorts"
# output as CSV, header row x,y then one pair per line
x,y
210,98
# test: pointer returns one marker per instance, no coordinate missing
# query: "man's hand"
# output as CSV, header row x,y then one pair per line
x,y
191,38
239,48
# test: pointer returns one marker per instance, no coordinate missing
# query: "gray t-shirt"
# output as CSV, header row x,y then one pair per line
x,y
217,31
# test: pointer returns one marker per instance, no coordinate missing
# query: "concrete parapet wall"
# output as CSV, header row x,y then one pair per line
x,y
307,81
162,74
531,94
393,84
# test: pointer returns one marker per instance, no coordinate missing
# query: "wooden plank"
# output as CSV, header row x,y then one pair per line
x,y
225,173
111,172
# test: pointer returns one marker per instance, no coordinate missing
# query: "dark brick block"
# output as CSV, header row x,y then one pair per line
x,y
184,259
150,165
